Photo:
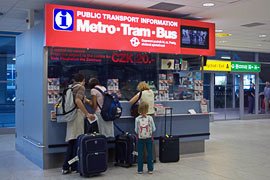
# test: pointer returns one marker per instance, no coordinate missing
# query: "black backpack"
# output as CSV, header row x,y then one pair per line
x,y
111,108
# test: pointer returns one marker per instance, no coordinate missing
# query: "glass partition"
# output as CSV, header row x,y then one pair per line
x,y
7,81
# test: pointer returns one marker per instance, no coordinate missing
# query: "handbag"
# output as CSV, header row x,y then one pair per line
x,y
134,107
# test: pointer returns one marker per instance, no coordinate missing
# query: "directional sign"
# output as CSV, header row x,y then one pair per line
x,y
216,65
232,66
245,67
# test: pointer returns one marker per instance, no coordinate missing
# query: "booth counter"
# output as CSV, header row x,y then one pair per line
x,y
192,129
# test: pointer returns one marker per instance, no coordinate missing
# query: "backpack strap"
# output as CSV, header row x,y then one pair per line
x,y
140,95
74,97
101,92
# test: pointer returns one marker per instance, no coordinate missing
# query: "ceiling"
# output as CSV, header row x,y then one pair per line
x,y
228,15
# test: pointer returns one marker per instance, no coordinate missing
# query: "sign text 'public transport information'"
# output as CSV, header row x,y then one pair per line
x,y
67,26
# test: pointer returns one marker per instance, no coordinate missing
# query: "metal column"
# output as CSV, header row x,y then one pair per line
x,y
212,90
257,79
241,95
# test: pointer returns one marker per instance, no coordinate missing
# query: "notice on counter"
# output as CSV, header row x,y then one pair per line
x,y
53,90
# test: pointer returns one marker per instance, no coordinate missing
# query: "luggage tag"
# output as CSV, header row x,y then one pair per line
x,y
92,121
135,153
73,160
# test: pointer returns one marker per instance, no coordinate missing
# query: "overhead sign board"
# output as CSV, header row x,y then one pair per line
x,y
67,26
216,65
245,67
77,27
232,66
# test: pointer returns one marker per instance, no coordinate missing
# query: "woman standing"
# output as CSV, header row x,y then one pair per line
x,y
147,96
105,127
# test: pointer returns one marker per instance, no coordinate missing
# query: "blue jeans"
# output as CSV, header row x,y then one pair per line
x,y
150,164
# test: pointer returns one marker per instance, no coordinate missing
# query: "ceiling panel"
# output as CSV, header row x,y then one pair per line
x,y
114,2
141,4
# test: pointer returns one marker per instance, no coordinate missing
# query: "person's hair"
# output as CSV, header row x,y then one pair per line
x,y
78,77
143,107
143,86
93,82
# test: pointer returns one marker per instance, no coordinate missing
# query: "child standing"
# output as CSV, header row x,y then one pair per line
x,y
144,127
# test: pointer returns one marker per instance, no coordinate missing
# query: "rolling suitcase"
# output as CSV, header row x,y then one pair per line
x,y
92,154
168,144
125,149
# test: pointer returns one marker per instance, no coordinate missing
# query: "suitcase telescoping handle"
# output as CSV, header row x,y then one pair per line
x,y
168,109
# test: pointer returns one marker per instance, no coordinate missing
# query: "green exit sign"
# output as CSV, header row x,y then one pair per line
x,y
245,67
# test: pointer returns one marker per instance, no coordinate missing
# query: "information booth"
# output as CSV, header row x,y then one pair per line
x,y
120,49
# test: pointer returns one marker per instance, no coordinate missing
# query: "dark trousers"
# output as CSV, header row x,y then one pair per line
x,y
148,143
251,102
70,154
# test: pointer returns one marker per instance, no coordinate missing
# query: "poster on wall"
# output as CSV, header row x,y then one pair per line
x,y
167,64
53,90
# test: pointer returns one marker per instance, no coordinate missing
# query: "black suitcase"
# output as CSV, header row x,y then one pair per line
x,y
168,144
92,154
125,149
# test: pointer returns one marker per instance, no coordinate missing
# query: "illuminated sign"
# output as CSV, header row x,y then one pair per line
x,y
245,67
215,65
232,66
77,27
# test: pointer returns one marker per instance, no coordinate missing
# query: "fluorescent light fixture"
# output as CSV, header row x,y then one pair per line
x,y
219,30
226,57
259,45
223,41
208,4
262,35
14,59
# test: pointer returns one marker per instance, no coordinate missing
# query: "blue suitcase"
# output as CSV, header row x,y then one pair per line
x,y
92,154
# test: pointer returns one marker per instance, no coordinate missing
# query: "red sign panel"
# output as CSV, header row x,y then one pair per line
x,y
77,27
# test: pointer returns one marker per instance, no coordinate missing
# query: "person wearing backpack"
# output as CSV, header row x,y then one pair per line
x,y
76,126
144,127
105,127
145,94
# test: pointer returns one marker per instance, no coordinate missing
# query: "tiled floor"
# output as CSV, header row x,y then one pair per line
x,y
238,150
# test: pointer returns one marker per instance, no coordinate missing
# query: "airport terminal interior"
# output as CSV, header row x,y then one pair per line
x,y
207,60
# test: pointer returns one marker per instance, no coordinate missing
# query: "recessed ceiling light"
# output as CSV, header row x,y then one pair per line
x,y
208,4
14,59
223,41
220,35
225,57
259,45
219,30
262,35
